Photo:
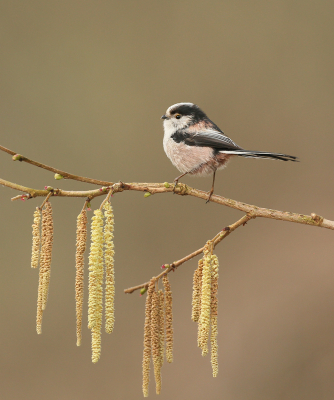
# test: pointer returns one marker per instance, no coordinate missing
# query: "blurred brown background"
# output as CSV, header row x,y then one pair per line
x,y
83,86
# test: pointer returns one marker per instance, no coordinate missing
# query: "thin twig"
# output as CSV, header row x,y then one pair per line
x,y
85,205
46,199
64,174
217,239
110,193
20,197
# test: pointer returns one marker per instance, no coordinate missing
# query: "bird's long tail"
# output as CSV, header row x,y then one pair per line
x,y
261,154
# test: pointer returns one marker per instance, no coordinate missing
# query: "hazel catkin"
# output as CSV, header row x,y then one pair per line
x,y
79,265
155,339
47,242
162,325
214,314
147,338
109,266
206,299
45,264
95,283
36,239
168,319
197,288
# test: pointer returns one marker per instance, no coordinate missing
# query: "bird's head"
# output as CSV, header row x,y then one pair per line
x,y
182,115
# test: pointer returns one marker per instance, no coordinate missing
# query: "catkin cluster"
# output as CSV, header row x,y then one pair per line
x,y
101,256
79,265
45,263
205,303
101,250
158,314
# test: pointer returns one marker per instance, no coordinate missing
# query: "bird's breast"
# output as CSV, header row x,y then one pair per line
x,y
188,158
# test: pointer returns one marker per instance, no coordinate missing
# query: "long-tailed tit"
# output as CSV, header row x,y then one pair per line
x,y
196,146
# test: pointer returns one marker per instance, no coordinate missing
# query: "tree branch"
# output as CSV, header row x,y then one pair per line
x,y
183,190
154,188
217,239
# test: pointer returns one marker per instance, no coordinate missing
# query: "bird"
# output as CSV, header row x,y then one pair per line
x,y
197,146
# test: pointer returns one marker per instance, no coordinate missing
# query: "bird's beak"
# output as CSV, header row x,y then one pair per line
x,y
164,117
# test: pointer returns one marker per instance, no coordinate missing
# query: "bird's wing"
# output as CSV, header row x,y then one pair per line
x,y
210,138
223,144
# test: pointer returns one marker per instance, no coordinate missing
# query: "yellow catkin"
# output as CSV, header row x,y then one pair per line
x,y
162,325
197,282
206,299
36,239
214,314
47,241
39,302
109,265
147,338
95,263
200,276
79,265
155,340
168,319
95,283
45,264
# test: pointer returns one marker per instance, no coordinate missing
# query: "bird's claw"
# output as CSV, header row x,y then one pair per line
x,y
209,198
175,184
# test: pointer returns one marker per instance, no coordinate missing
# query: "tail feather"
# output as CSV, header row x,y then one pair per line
x,y
261,154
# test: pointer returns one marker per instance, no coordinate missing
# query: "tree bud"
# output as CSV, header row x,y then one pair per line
x,y
17,157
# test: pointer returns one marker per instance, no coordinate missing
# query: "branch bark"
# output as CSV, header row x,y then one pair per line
x,y
217,239
183,190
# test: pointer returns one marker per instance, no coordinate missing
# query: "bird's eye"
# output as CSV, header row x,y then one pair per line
x,y
177,116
